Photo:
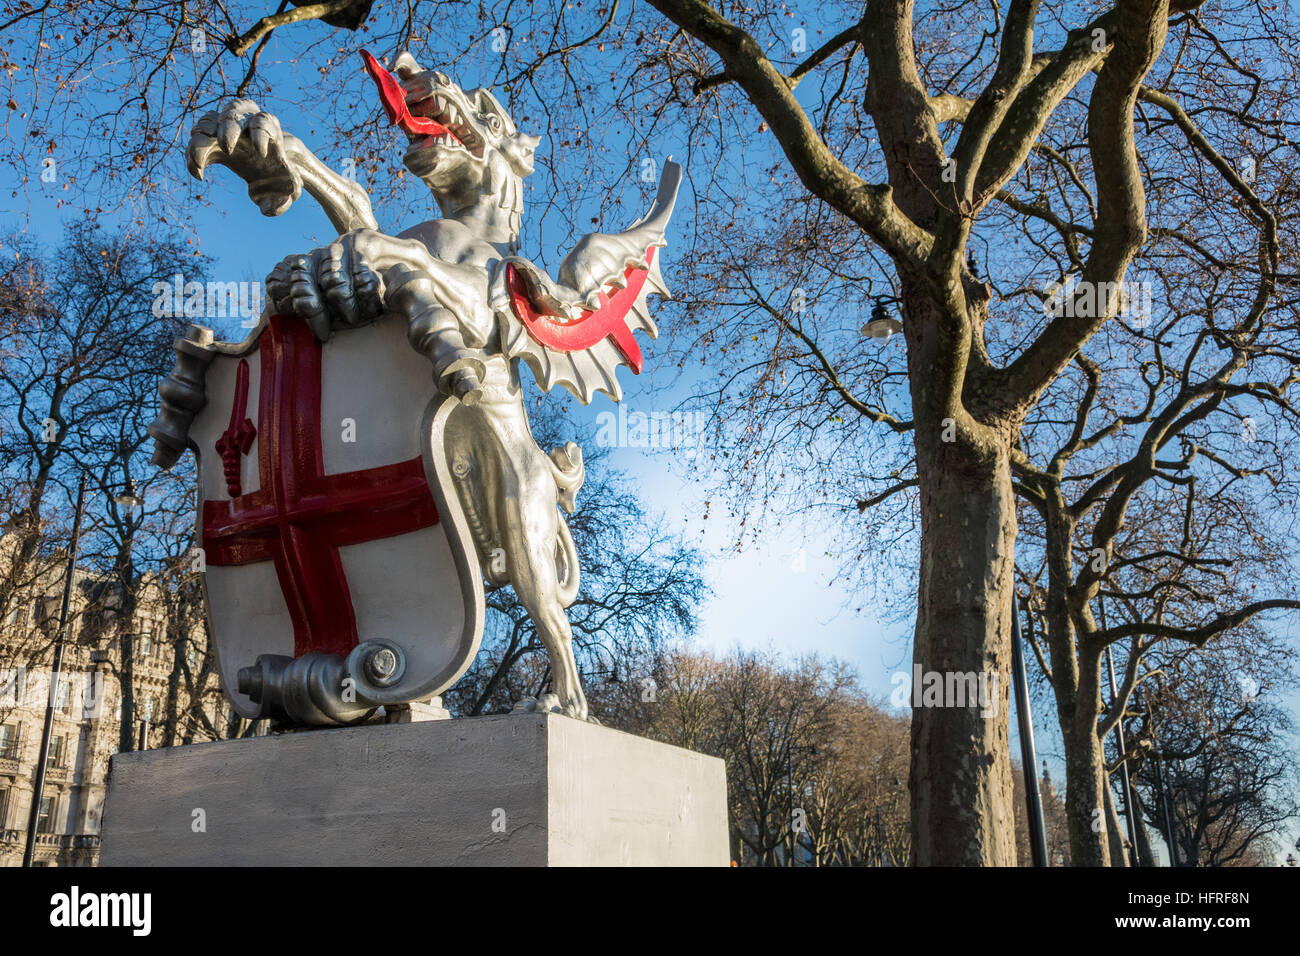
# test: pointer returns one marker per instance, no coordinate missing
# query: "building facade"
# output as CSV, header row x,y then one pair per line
x,y
87,722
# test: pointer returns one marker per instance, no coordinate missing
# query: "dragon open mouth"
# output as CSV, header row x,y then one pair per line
x,y
432,115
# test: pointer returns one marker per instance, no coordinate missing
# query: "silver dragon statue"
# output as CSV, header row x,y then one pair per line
x,y
473,307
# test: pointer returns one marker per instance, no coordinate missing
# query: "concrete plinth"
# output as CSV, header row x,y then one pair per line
x,y
521,790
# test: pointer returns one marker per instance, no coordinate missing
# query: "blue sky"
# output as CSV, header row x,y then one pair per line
x,y
764,596
761,597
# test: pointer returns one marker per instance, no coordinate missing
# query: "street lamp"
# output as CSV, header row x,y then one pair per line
x,y
1130,820
611,675
128,498
882,324
38,780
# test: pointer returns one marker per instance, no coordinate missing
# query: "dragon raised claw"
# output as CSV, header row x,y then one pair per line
x,y
472,305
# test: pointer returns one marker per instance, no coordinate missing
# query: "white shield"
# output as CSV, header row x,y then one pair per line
x,y
327,512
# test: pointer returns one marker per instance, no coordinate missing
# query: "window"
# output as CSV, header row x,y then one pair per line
x,y
56,754
45,613
45,816
4,806
146,646
150,705
8,741
63,697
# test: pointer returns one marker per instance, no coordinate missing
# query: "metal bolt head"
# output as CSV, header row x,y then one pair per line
x,y
382,666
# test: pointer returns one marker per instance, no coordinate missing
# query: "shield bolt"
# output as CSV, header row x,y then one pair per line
x,y
383,667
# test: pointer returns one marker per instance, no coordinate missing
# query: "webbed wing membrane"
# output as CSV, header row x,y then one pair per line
x,y
576,332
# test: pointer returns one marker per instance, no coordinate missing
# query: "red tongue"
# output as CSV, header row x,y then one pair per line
x,y
393,97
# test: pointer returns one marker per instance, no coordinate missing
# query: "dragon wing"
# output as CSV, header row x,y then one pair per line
x,y
576,332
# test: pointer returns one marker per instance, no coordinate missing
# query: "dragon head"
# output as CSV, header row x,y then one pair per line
x,y
463,144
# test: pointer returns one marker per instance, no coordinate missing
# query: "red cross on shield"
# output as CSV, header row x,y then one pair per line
x,y
327,513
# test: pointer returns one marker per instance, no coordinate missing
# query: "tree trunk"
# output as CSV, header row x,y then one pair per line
x,y
1085,781
1076,676
173,705
961,787
126,727
1116,833
233,722
1146,853
126,642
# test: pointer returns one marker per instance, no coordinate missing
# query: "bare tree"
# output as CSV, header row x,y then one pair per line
x,y
888,158
80,384
1191,556
639,591
1211,751
1001,394
797,772
1055,824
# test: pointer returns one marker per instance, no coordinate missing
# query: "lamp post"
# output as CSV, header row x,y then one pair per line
x,y
38,782
1125,783
1130,822
1162,797
130,500
1028,754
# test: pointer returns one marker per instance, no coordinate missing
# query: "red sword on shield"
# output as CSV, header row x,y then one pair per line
x,y
238,436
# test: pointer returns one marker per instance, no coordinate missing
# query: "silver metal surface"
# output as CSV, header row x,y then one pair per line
x,y
446,279
310,690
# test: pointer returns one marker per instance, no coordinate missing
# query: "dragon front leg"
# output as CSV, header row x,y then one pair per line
x,y
366,274
275,164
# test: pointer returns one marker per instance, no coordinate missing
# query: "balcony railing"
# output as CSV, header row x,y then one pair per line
x,y
60,841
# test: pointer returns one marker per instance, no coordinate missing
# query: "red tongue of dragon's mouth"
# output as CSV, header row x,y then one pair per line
x,y
393,97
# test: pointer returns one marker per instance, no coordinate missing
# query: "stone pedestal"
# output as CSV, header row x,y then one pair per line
x,y
521,790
